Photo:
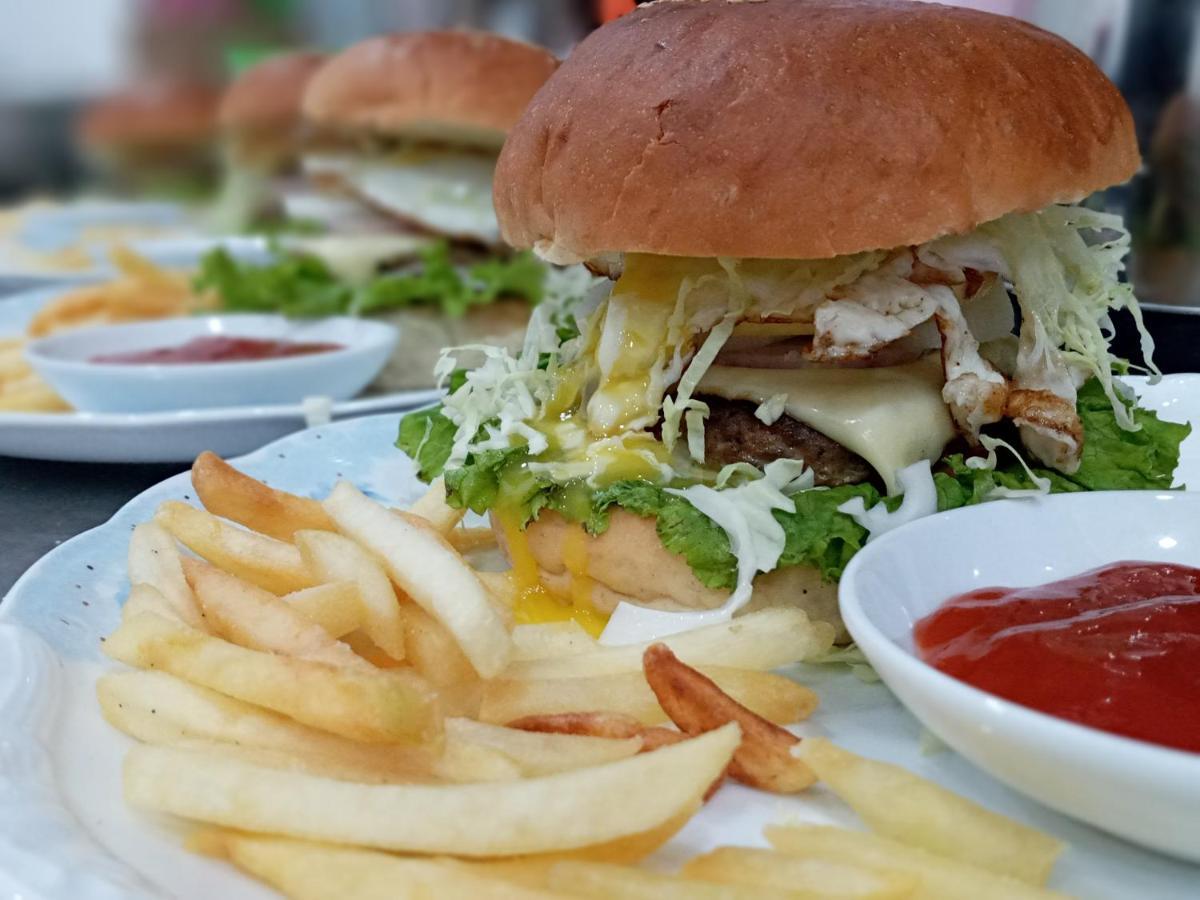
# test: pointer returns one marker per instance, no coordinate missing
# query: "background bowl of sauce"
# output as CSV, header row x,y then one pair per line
x,y
1055,643
205,362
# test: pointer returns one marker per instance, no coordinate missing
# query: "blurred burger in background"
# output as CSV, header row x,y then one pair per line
x,y
400,139
155,139
261,133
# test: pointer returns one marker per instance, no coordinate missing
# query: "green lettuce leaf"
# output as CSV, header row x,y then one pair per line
x,y
301,285
427,436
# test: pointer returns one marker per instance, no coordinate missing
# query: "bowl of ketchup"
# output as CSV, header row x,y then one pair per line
x,y
205,362
1055,643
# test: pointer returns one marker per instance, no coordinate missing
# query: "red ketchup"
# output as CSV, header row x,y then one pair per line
x,y
1117,648
218,349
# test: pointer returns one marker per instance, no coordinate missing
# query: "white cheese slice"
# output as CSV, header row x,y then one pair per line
x,y
357,257
892,417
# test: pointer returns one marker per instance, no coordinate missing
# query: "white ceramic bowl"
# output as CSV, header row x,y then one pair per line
x,y
1139,791
63,361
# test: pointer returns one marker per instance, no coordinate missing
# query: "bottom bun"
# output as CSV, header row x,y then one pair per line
x,y
629,563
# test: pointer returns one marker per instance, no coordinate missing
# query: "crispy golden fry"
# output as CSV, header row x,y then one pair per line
x,y
309,871
467,540
332,557
773,697
905,807
432,649
383,706
158,708
145,598
154,560
556,812
695,704
813,879
31,394
228,493
939,878
433,508
430,572
541,753
249,616
605,880
263,561
12,360
551,640
762,640
601,725
336,606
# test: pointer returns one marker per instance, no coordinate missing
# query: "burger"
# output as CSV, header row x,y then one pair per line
x,y
399,139
260,124
851,284
403,130
158,138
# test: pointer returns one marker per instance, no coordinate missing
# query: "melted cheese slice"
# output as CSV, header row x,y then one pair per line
x,y
356,258
891,417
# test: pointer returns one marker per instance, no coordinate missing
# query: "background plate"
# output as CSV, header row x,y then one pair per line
x,y
65,833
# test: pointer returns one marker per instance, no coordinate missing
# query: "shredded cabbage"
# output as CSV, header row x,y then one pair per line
x,y
744,512
991,444
920,500
770,410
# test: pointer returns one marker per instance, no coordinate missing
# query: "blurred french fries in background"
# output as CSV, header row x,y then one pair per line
x,y
332,679
21,389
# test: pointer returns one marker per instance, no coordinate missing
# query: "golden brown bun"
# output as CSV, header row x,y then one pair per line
x,y
268,95
628,562
804,129
163,116
455,86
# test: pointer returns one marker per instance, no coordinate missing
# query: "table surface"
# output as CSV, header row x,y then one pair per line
x,y
43,504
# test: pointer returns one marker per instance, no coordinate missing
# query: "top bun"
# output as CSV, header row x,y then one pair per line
x,y
804,129
160,115
268,95
457,86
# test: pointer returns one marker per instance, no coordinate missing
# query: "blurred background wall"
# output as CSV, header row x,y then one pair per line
x,y
56,54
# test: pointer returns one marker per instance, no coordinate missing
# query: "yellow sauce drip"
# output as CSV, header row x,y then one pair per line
x,y
534,603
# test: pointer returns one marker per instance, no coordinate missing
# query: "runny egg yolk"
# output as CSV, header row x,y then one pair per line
x,y
536,604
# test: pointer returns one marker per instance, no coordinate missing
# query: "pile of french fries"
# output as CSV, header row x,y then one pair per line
x,y
142,291
340,701
21,388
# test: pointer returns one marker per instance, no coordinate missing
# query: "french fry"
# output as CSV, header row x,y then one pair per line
x,y
602,725
773,697
902,806
332,557
383,706
228,493
939,878
309,871
433,508
433,651
31,395
249,616
551,640
12,361
158,708
605,880
762,640
469,540
541,753
430,572
147,598
695,704
336,606
813,879
263,561
154,560
554,812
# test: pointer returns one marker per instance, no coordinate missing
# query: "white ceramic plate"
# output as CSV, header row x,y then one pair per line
x,y
65,833
160,436
1137,790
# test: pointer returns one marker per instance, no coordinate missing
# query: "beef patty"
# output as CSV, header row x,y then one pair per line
x,y
732,434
